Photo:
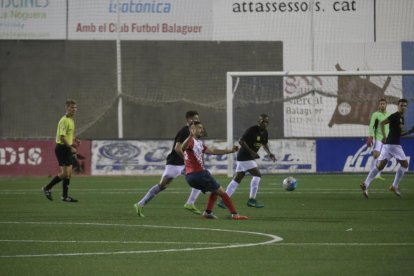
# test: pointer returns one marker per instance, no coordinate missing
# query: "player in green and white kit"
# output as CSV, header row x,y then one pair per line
x,y
375,137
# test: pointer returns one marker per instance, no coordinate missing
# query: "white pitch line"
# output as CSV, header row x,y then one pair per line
x,y
343,244
113,242
272,240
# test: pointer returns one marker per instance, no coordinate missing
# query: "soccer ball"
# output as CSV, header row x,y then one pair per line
x,y
289,183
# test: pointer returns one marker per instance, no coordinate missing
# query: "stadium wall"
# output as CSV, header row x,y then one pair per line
x,y
52,50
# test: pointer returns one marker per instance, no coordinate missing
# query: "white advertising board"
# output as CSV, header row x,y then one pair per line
x,y
40,19
298,21
130,157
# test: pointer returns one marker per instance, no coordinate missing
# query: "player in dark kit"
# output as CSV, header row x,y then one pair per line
x,y
392,148
251,141
174,168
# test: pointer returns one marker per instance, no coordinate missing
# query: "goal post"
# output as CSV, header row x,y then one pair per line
x,y
233,80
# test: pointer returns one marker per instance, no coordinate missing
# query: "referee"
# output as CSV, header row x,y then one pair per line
x,y
64,151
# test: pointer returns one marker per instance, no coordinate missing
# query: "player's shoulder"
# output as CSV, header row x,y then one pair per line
x,y
183,130
65,119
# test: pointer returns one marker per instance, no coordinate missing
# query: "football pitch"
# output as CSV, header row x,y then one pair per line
x,y
324,227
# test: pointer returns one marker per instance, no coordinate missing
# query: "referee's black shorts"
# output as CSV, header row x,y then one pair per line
x,y
63,155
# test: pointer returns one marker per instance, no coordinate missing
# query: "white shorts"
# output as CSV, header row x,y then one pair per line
x,y
390,151
377,146
243,166
172,171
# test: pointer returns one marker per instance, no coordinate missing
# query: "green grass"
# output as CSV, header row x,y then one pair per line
x,y
327,227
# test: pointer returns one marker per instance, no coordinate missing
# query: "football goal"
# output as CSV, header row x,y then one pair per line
x,y
309,105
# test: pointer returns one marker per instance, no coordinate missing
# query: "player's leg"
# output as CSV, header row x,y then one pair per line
x,y
231,188
66,176
254,187
382,161
170,172
190,204
402,159
60,156
229,203
375,154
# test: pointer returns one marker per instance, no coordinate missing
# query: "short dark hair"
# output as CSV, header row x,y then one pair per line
x,y
382,100
402,101
69,102
263,115
190,114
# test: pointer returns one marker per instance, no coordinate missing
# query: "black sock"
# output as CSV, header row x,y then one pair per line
x,y
52,183
65,187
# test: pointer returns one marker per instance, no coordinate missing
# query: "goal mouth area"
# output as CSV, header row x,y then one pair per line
x,y
314,104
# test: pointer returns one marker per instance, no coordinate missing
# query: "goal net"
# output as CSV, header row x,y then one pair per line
x,y
308,105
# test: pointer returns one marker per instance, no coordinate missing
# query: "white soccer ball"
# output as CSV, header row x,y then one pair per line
x,y
289,183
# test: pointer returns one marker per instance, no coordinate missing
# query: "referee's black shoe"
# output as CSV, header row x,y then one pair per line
x,y
47,193
69,199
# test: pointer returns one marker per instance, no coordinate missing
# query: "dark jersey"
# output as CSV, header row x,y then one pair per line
x,y
254,138
396,126
173,158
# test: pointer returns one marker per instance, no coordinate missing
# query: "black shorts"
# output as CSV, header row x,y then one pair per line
x,y
202,181
64,155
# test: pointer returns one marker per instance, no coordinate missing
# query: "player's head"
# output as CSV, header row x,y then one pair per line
x,y
191,116
71,107
382,105
402,105
197,128
263,121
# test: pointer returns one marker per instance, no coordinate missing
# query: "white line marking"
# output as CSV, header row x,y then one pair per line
x,y
272,240
344,244
116,242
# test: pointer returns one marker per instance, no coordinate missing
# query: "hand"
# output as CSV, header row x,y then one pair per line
x,y
369,141
235,148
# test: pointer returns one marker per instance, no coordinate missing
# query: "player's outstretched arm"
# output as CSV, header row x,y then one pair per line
x,y
222,151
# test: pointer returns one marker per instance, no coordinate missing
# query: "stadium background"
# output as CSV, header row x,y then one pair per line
x,y
53,50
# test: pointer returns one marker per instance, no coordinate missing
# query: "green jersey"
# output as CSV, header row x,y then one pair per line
x,y
374,126
66,127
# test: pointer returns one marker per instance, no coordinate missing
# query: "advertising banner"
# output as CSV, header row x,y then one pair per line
x,y
148,157
353,155
294,20
40,19
140,20
37,158
129,157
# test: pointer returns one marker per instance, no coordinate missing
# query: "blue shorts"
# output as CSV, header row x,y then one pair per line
x,y
202,181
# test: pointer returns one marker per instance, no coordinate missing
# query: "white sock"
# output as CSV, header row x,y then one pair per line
x,y
152,192
398,176
232,187
193,196
373,173
254,186
374,163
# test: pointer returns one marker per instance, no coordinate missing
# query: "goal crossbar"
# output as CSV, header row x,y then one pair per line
x,y
230,92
